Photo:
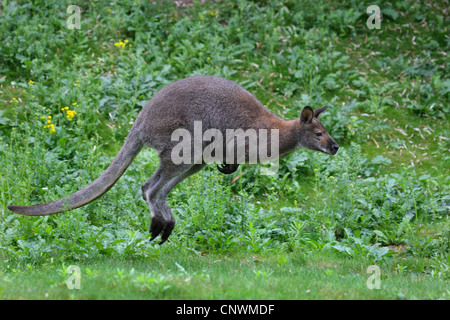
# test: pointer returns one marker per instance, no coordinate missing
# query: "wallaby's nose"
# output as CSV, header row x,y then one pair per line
x,y
335,147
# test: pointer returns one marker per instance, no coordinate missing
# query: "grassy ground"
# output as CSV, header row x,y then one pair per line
x,y
180,275
68,98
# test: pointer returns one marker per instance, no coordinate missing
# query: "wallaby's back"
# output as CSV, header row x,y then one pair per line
x,y
217,102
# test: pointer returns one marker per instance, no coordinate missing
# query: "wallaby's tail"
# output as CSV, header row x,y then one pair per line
x,y
100,186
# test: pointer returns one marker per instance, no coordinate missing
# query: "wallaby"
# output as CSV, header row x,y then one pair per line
x,y
217,103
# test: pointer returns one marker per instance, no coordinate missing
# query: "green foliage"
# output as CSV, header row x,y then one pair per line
x,y
69,97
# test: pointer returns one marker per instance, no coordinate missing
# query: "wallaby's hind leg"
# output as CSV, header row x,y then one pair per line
x,y
155,191
163,195
149,191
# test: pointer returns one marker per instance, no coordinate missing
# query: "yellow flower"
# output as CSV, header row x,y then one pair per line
x,y
121,44
14,100
212,13
42,117
51,127
49,121
49,117
315,170
71,114
209,58
30,82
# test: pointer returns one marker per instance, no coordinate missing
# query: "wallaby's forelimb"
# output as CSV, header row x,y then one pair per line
x,y
228,168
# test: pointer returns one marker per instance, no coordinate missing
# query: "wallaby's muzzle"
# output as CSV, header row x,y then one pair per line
x,y
333,149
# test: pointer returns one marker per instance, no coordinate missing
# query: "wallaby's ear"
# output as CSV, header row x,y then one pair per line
x,y
307,114
319,111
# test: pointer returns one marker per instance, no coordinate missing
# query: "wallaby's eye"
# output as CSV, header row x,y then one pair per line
x,y
319,134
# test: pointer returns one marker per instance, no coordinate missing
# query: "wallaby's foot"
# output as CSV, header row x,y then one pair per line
x,y
162,224
227,168
155,191
157,226
167,231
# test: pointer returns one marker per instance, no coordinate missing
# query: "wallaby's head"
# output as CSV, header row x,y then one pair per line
x,y
313,134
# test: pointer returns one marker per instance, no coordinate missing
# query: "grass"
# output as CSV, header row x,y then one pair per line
x,y
309,232
174,274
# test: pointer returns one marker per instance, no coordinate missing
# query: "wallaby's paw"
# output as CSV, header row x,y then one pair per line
x,y
227,168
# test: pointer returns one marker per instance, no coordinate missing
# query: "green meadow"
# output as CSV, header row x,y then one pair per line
x,y
370,222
